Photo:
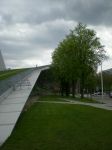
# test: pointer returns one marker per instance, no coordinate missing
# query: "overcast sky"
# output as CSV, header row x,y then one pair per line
x,y
31,29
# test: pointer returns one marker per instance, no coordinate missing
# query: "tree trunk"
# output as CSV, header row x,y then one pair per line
x,y
67,89
62,88
73,88
82,93
82,86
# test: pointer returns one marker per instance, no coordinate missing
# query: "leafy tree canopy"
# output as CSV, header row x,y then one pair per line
x,y
78,55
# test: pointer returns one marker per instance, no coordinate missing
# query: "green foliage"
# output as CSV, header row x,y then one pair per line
x,y
91,83
78,55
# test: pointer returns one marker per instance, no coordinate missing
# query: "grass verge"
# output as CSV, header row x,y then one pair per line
x,y
52,98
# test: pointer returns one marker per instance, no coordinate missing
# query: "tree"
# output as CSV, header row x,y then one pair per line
x,y
65,64
90,54
91,83
78,56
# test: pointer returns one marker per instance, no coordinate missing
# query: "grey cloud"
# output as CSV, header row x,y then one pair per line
x,y
90,11
31,29
36,11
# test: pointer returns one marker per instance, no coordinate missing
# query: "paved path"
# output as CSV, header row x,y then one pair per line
x,y
103,106
106,99
12,106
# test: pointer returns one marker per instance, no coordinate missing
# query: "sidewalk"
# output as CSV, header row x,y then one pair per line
x,y
106,99
107,106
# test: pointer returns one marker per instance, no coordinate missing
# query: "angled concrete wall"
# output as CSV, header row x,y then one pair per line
x,y
12,105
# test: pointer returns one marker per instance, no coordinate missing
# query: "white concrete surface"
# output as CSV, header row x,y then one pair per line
x,y
12,106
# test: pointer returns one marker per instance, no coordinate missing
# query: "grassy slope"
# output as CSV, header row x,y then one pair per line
x,y
62,127
9,73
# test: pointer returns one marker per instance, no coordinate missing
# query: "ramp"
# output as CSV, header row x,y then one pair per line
x,y
12,106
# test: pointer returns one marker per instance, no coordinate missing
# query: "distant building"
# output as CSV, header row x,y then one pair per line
x,y
2,64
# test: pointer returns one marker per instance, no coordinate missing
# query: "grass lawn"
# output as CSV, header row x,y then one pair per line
x,y
47,126
52,98
64,99
8,73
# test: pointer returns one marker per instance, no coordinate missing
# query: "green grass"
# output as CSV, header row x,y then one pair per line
x,y
64,98
8,73
52,98
62,127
